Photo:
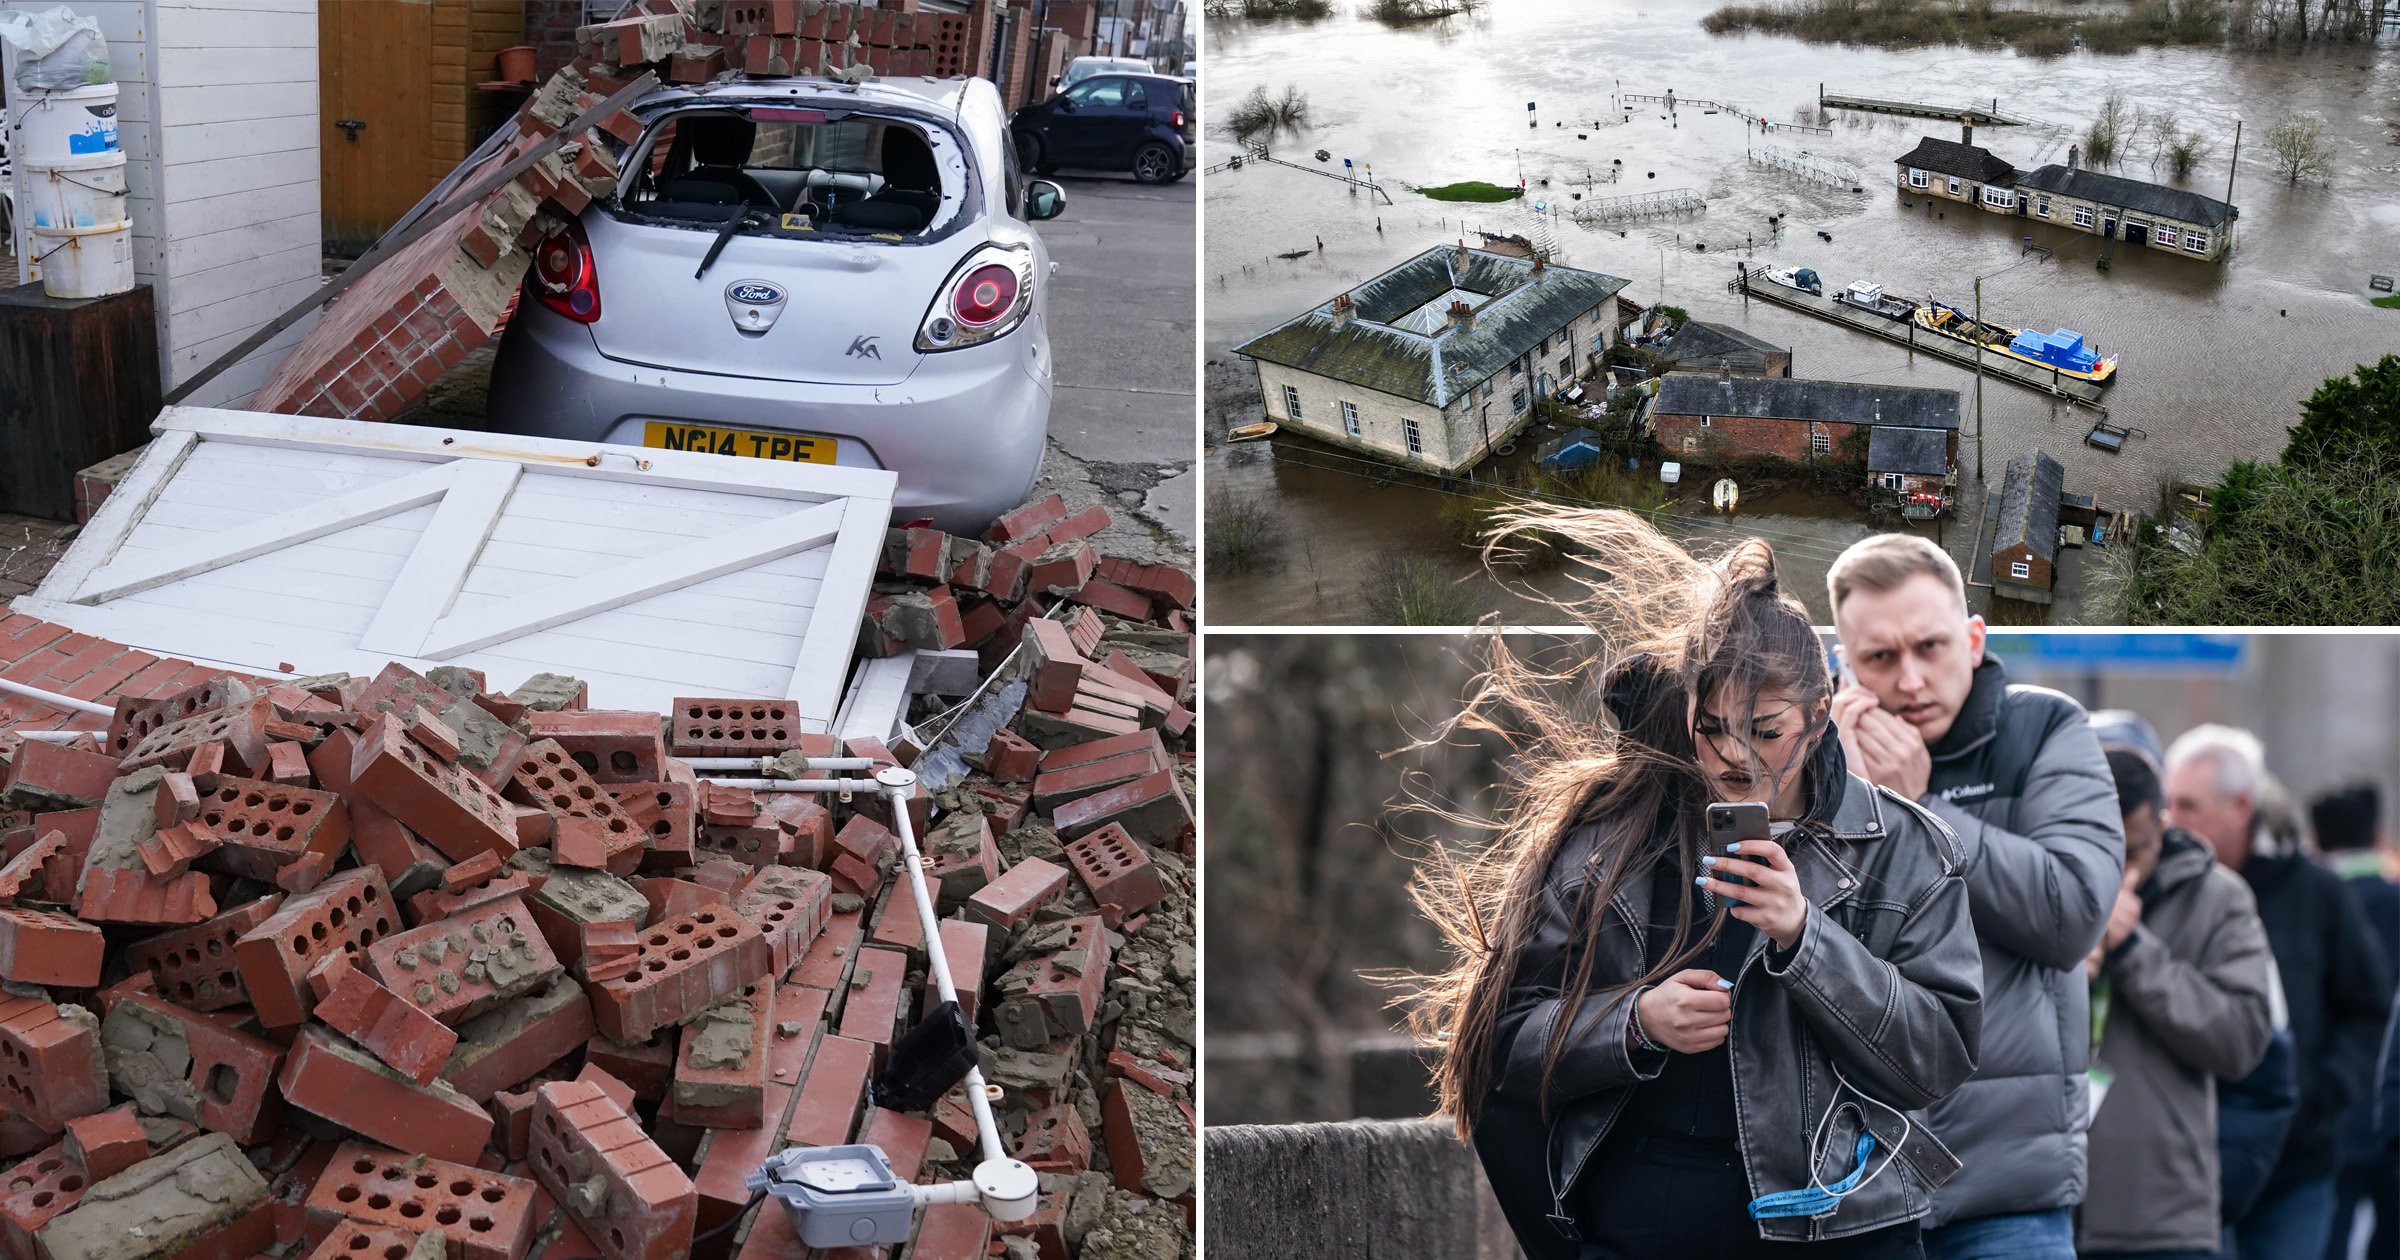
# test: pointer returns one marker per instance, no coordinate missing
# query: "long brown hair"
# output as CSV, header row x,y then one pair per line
x,y
1600,738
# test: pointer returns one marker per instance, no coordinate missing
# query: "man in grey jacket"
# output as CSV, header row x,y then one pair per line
x,y
2179,998
2016,772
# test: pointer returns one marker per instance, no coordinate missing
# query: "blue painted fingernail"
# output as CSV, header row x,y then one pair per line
x,y
1708,861
1735,847
1726,985
1702,881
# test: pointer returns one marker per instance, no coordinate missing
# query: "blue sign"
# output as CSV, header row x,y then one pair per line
x,y
758,291
2167,653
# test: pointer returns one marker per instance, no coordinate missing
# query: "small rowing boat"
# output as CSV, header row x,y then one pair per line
x,y
1251,432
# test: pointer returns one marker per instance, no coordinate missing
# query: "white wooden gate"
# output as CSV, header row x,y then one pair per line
x,y
298,544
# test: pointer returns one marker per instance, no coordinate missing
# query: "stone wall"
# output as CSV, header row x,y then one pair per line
x,y
1357,1189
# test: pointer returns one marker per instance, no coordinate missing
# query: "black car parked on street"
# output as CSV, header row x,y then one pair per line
x,y
1113,122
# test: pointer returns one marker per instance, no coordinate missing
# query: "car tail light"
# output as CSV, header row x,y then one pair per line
x,y
984,297
1175,120
564,277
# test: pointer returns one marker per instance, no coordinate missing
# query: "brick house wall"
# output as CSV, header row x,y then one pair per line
x,y
1779,363
1748,437
2035,586
550,28
1382,418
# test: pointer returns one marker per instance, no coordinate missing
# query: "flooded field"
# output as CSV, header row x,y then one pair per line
x,y
2215,359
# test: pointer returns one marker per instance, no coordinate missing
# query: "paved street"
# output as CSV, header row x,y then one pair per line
x,y
1122,330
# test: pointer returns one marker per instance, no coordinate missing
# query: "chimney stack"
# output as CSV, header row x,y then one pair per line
x,y
1462,314
1342,309
2074,156
1966,129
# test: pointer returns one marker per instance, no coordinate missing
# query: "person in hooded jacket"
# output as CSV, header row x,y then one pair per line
x,y
2180,997
1663,1047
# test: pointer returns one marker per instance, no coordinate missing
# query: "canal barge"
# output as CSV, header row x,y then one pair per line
x,y
1870,297
2062,351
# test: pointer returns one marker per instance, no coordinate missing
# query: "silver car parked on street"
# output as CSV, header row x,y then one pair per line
x,y
808,270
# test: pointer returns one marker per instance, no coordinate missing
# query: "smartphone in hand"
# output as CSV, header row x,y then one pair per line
x,y
1730,823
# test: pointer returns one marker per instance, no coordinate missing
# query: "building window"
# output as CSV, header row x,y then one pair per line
x,y
2000,198
1918,179
2166,236
1704,422
2020,570
1819,441
1517,368
1516,400
1350,418
1954,185
1416,440
1893,481
2083,216
2041,206
1566,366
1543,348
2196,241
1291,402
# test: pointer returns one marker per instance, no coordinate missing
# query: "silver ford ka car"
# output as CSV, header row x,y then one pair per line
x,y
806,270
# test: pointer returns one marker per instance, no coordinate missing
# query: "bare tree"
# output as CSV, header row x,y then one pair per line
x,y
2187,150
2110,131
2300,149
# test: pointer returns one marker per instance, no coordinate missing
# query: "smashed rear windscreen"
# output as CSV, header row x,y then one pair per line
x,y
795,170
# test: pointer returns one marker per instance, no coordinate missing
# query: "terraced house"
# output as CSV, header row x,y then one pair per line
x,y
2171,220
1438,360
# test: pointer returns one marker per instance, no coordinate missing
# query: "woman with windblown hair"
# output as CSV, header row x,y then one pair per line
x,y
1660,1050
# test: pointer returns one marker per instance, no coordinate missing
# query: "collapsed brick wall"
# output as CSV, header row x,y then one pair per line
x,y
381,344
449,925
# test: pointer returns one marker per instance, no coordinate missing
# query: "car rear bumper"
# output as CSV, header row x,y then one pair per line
x,y
965,432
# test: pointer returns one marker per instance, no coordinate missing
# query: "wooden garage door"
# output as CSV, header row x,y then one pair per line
x,y
295,544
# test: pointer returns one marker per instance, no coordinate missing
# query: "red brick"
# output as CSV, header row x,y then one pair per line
x,y
1046,1227
721,1063
1152,809
23,875
38,1190
610,746
964,945
647,1067
266,826
484,1215
1055,664
238,1222
648,1207
826,1112
1053,788
1009,758
137,716
455,811
791,905
57,776
687,964
509,1045
1122,877
589,828
1061,568
1009,901
381,842
810,825
1027,521
232,1074
195,967
237,732
347,913
1171,585
170,851
46,948
132,895
827,961
1055,990
106,1143
1056,1141
667,814
408,1040
345,1085
871,1005
1139,1127
703,727
459,967
952,1231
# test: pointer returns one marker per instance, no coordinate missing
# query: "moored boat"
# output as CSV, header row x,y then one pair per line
x,y
2062,351
1870,297
1800,278
1251,432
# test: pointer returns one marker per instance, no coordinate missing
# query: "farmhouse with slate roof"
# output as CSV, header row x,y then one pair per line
x,y
1440,359
1910,434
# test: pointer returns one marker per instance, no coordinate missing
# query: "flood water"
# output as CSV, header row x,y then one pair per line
x,y
2214,359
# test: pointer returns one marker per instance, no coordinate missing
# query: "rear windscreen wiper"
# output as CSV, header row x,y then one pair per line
x,y
741,212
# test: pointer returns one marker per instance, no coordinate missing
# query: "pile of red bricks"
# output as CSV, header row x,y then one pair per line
x,y
410,968
382,343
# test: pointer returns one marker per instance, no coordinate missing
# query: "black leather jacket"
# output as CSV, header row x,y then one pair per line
x,y
1885,982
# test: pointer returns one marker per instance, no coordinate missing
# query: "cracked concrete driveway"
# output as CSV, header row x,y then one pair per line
x,y
1121,328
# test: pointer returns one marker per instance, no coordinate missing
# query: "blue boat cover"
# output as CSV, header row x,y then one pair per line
x,y
2063,348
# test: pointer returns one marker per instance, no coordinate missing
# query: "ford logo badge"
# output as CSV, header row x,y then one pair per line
x,y
758,292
